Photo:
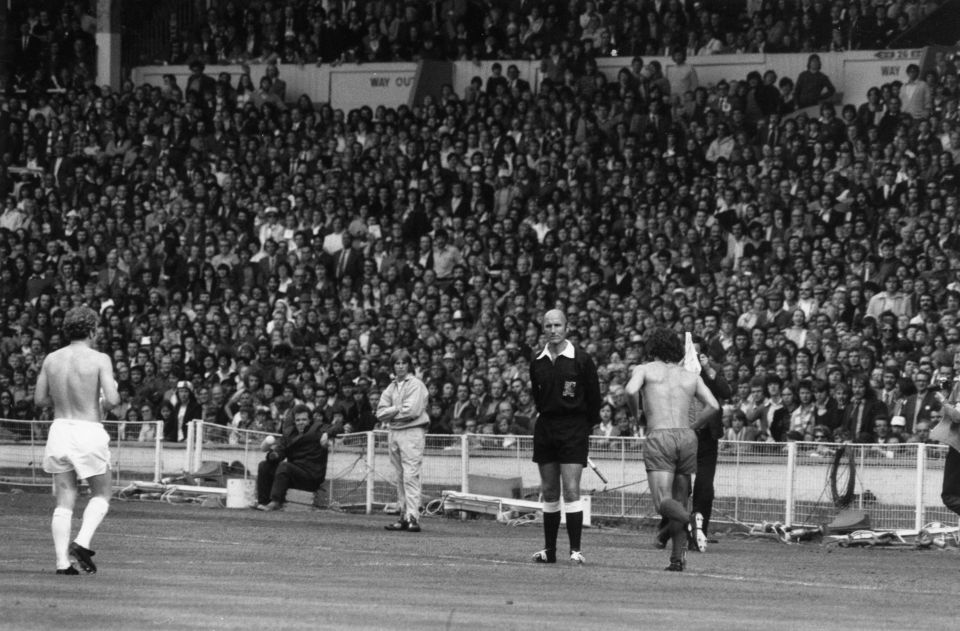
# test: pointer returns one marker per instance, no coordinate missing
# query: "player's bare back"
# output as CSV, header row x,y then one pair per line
x,y
72,378
667,391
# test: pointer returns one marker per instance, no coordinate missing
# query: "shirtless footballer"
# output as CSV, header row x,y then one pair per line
x,y
72,379
670,451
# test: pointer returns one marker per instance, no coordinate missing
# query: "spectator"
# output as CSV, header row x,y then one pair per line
x,y
861,413
772,416
682,76
889,300
403,406
881,430
722,146
915,94
921,432
920,405
821,435
739,430
298,460
186,410
607,428
813,86
148,427
794,203
897,427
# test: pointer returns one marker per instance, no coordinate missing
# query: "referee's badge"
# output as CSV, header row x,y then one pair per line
x,y
569,389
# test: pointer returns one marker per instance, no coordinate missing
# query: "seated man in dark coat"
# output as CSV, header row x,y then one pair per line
x,y
297,460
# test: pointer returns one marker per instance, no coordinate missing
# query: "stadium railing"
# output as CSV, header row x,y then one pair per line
x,y
792,483
137,452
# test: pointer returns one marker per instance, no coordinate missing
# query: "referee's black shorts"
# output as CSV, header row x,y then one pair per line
x,y
565,441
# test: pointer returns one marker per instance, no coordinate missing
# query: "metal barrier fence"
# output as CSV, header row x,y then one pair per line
x,y
897,485
136,450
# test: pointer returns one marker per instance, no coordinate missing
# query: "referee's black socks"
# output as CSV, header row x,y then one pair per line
x,y
551,526
574,511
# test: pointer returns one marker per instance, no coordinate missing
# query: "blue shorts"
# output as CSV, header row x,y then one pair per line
x,y
671,449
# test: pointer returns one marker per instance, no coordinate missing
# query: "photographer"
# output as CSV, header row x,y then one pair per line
x,y
297,461
947,432
918,407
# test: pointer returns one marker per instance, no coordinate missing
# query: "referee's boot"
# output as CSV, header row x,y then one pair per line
x,y
697,541
547,555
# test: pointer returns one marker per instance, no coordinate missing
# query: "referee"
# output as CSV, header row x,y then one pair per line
x,y
566,391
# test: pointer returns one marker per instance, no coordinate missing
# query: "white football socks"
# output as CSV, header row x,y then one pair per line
x,y
60,527
93,514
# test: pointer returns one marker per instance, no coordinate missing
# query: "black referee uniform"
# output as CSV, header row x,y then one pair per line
x,y
567,396
708,448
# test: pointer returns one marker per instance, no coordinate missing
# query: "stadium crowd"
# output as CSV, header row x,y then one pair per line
x,y
54,45
302,32
252,251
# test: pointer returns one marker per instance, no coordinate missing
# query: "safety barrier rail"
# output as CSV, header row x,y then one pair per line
x,y
794,483
137,452
898,485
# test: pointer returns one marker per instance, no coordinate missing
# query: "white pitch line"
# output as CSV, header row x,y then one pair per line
x,y
463,558
789,583
655,572
148,537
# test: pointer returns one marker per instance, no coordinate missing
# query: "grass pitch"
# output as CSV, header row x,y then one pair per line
x,y
187,567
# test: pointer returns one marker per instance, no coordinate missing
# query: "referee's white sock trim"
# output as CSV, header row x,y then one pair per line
x,y
551,507
573,507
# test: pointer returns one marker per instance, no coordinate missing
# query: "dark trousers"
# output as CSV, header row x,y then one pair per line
x,y
274,477
707,451
951,481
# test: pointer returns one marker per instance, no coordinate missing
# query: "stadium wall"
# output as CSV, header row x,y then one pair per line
x,y
349,86
346,87
852,73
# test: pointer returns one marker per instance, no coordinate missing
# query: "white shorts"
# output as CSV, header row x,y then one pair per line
x,y
80,446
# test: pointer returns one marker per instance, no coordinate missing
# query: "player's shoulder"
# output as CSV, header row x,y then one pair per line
x,y
54,356
97,356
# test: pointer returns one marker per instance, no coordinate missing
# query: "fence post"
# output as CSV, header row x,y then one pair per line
x,y
861,450
791,466
623,476
464,464
119,459
736,483
34,428
921,472
158,452
188,452
198,447
371,469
